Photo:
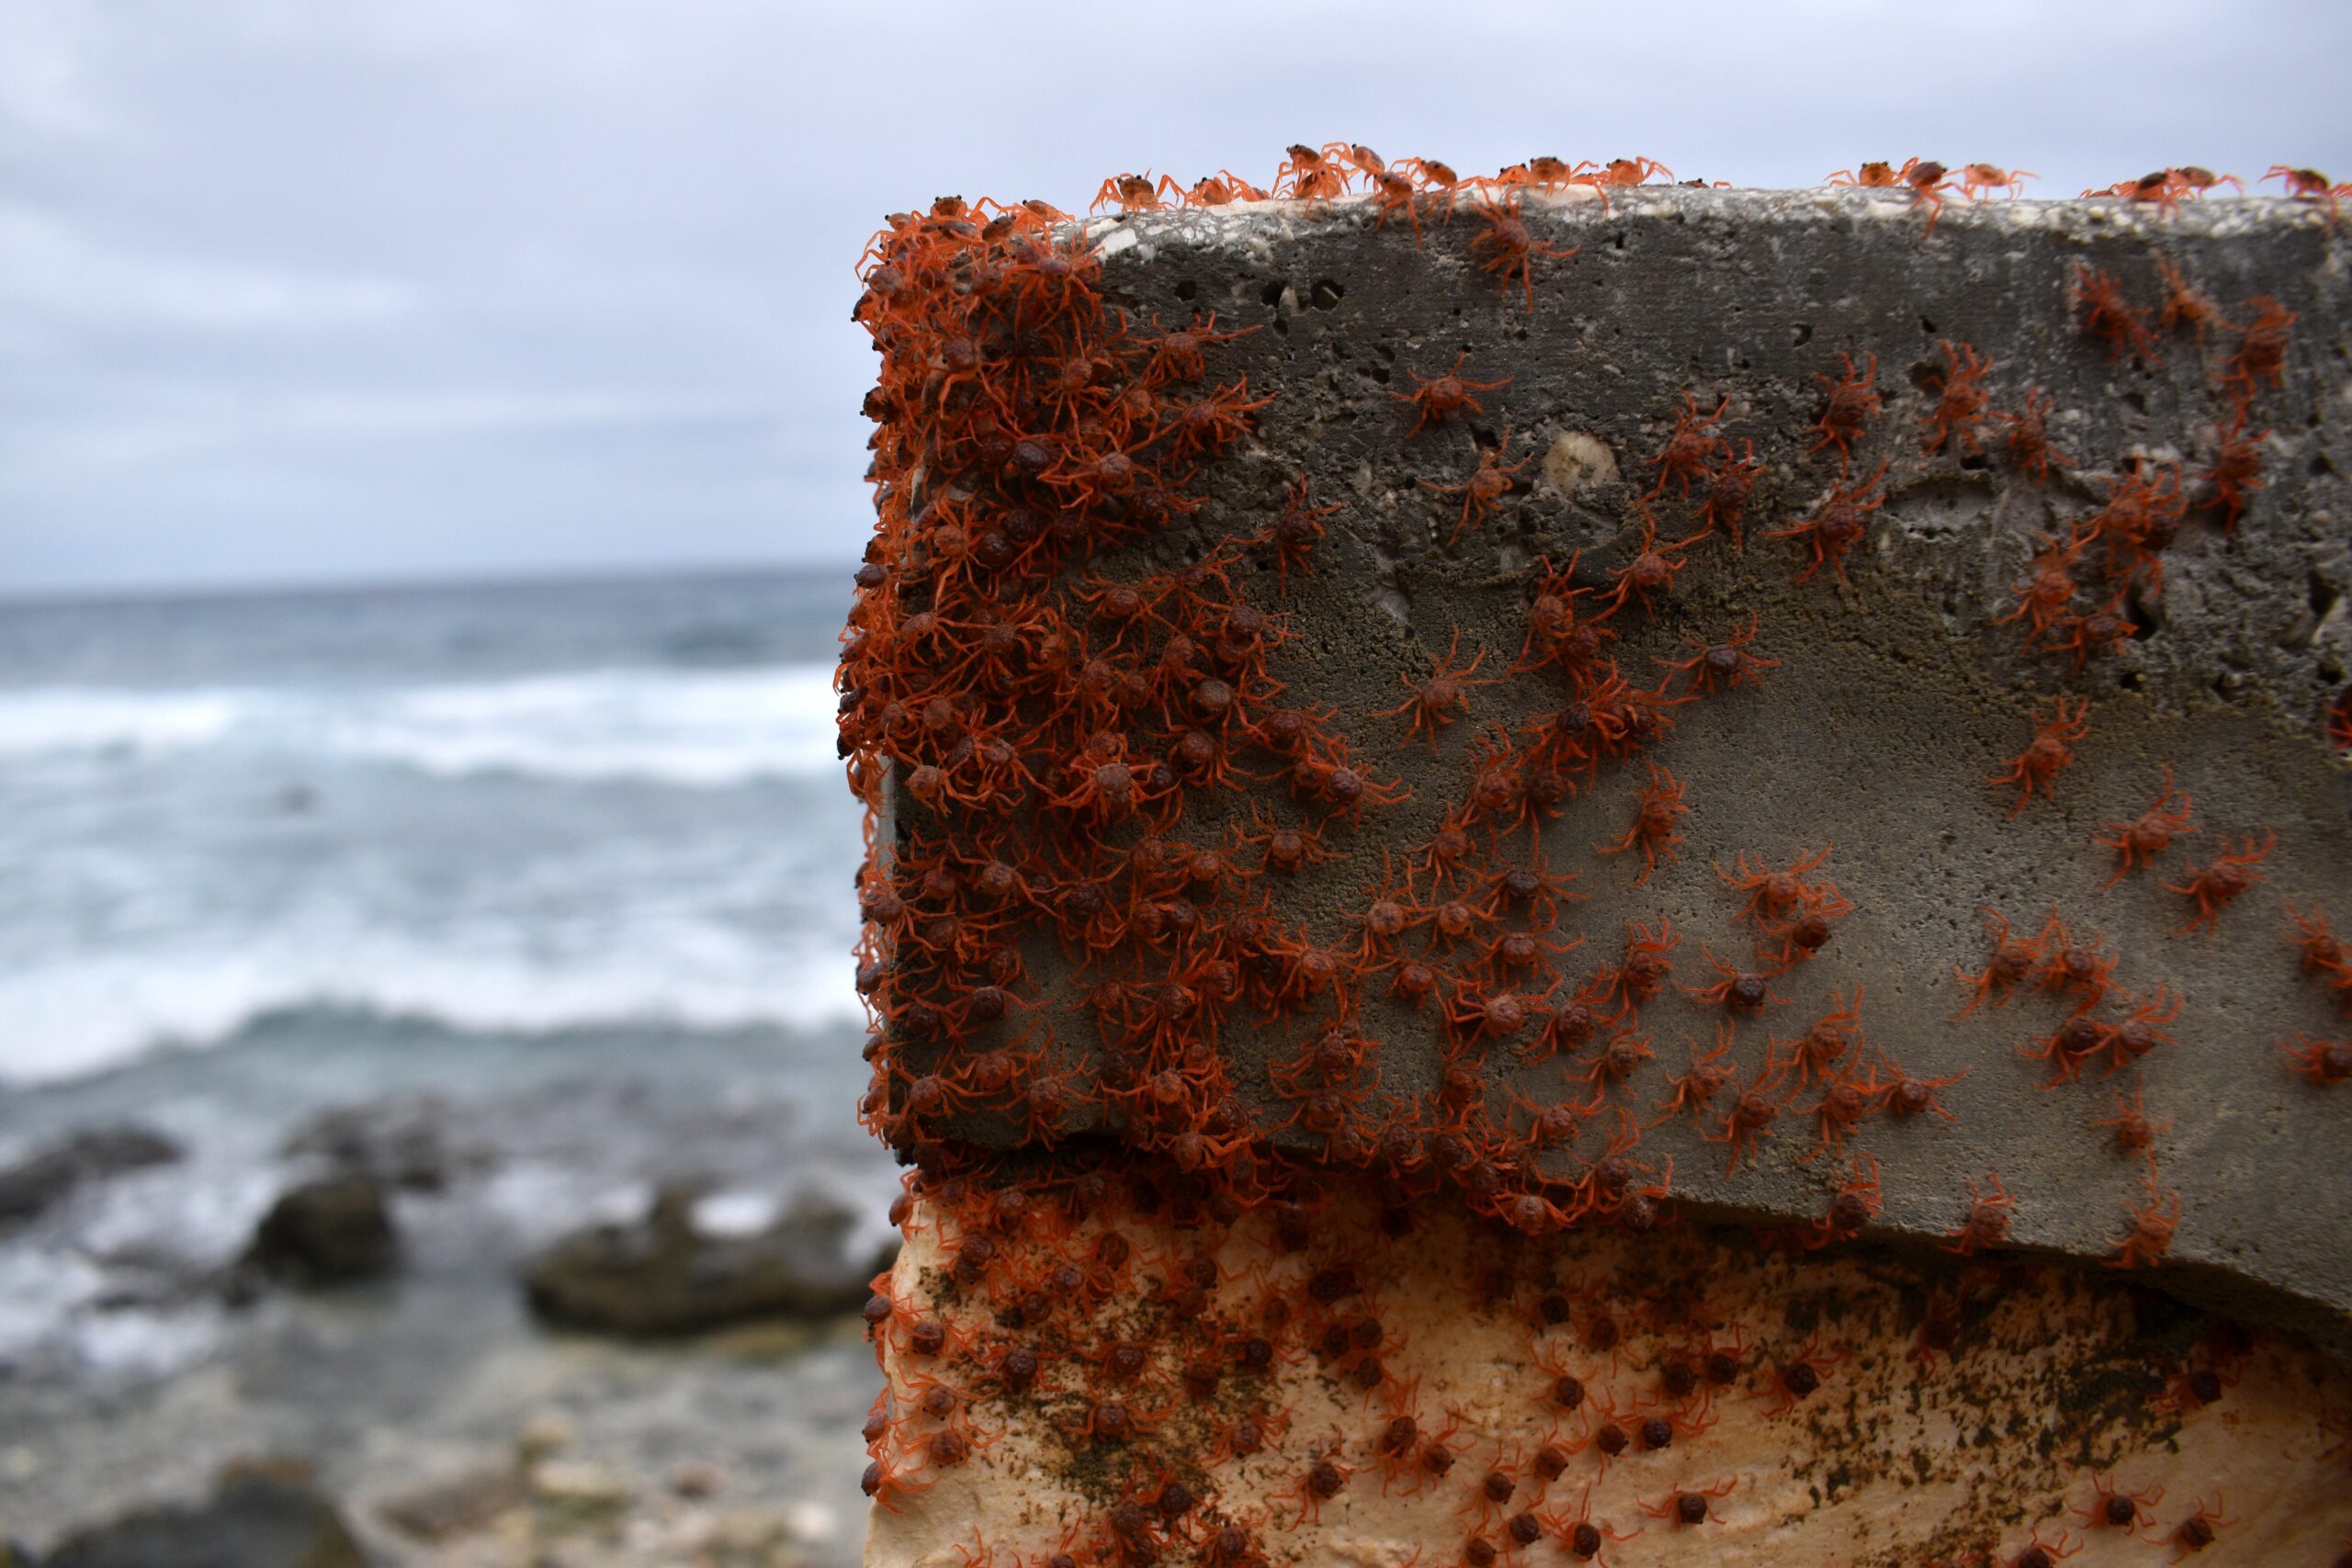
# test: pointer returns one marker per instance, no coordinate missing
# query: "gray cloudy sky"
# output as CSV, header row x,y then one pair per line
x,y
295,290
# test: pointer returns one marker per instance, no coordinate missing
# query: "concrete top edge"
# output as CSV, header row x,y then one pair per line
x,y
1244,224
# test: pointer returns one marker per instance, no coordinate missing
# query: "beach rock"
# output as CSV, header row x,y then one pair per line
x,y
575,1493
254,1520
664,1276
338,1228
49,1176
454,1504
411,1141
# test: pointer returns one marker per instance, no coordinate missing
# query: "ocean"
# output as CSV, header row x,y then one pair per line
x,y
563,871
511,807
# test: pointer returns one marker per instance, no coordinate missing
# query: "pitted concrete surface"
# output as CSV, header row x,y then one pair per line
x,y
1895,696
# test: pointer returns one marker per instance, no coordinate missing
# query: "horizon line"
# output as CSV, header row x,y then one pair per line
x,y
94,596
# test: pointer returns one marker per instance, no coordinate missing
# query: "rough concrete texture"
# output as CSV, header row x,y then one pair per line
x,y
2046,1392
1895,696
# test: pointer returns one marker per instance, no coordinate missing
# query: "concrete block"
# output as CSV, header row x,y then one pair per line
x,y
1890,605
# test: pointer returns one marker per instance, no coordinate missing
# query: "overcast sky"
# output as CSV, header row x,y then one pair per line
x,y
302,290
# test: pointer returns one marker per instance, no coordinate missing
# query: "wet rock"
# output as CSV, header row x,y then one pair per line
x,y
254,1520
324,1231
695,1479
576,1495
542,1435
412,1142
665,1275
456,1504
49,1176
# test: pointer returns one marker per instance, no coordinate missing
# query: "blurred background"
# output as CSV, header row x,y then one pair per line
x,y
430,470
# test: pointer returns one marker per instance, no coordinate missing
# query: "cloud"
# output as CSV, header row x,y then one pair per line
x,y
58,276
300,290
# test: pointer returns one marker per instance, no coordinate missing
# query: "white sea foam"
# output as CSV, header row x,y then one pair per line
x,y
47,720
703,729
80,1014
694,728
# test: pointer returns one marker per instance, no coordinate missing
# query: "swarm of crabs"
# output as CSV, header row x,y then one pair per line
x,y
1092,776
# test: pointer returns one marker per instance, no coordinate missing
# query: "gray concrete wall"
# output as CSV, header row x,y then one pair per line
x,y
1895,695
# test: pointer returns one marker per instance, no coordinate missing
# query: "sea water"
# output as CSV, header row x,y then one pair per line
x,y
572,862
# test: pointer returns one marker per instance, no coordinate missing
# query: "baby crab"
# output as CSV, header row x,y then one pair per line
x,y
2114,1508
1875,174
1689,448
2109,316
2305,185
1835,525
1799,1377
2135,1132
2150,833
1847,406
1436,701
2153,1224
1652,569
2013,962
2212,887
2040,763
1987,1220
1979,180
1135,193
2323,1063
1515,248
1657,804
1487,483
1928,181
1727,663
1442,395
1961,399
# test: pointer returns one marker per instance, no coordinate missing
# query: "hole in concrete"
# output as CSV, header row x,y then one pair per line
x,y
2142,613
1927,377
1975,462
1618,240
2130,681
1187,289
1800,334
2320,464
1271,295
2323,597
1325,293
1927,326
1380,374
2136,401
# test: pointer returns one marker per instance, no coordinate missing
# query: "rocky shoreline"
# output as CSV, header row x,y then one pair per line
x,y
392,1368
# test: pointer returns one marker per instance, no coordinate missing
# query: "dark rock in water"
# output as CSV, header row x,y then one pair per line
x,y
338,1228
662,1275
254,1520
407,1141
49,1176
